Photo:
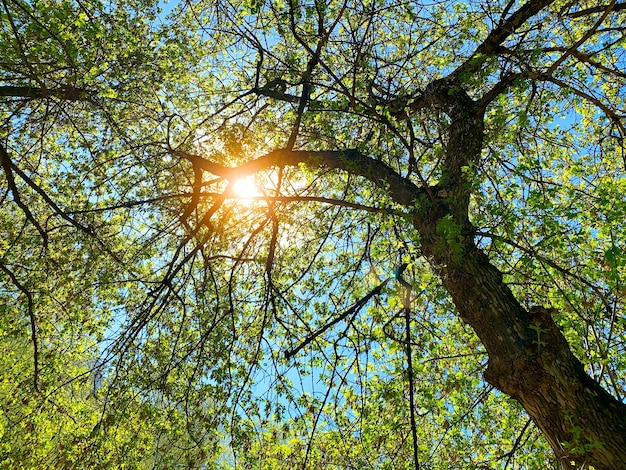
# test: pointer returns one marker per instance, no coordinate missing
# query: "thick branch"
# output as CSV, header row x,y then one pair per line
x,y
277,94
531,361
67,93
402,190
598,9
7,166
547,380
438,93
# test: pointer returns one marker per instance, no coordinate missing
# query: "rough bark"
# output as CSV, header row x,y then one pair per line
x,y
529,358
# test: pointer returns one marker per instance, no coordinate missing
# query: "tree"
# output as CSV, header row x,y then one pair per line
x,y
426,269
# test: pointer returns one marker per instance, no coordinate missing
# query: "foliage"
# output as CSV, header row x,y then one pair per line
x,y
151,317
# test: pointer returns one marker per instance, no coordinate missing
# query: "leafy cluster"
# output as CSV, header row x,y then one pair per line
x,y
150,317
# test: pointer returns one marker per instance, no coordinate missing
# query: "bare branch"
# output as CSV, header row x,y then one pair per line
x,y
498,35
612,115
581,41
61,213
552,264
67,93
354,309
331,201
598,9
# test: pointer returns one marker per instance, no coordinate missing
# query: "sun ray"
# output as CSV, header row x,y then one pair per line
x,y
246,188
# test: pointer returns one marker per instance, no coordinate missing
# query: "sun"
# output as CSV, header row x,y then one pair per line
x,y
245,188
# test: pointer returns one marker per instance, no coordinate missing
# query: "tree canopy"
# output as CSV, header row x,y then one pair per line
x,y
312,233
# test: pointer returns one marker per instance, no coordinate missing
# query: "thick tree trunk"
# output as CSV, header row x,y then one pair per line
x,y
529,358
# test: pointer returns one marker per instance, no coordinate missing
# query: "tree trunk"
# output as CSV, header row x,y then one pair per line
x,y
529,358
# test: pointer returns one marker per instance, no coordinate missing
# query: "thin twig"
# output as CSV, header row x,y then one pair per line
x,y
351,311
409,360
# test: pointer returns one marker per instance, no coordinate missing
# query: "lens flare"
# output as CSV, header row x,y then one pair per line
x,y
245,188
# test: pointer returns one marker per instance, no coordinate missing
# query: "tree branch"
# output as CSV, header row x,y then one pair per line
x,y
354,309
67,93
83,228
592,99
598,9
7,165
498,35
402,190
584,37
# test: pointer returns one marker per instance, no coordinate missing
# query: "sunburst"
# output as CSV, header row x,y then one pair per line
x,y
246,188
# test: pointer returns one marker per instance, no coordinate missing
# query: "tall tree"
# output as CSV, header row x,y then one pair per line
x,y
330,233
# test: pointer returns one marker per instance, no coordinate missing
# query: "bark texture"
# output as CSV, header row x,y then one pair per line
x,y
529,358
